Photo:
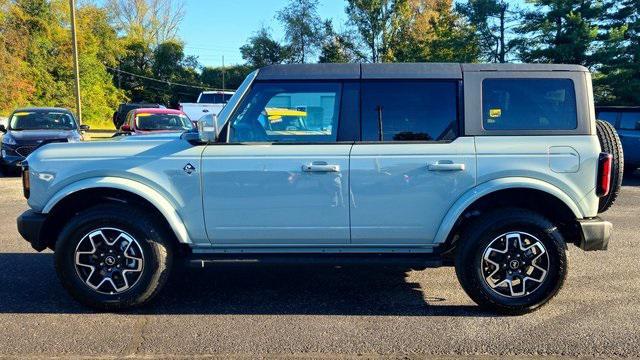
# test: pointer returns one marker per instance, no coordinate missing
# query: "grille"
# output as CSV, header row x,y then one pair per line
x,y
24,151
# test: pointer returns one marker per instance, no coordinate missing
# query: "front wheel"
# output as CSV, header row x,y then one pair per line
x,y
113,256
511,261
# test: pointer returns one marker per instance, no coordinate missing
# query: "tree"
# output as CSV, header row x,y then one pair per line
x,y
493,21
430,31
234,75
36,44
617,81
262,50
154,21
560,31
303,29
373,22
338,47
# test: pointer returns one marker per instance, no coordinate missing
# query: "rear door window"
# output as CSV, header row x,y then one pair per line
x,y
409,110
630,120
529,104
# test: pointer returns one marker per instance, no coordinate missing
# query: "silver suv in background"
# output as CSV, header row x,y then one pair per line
x,y
492,169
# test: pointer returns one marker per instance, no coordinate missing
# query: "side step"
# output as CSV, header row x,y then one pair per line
x,y
408,260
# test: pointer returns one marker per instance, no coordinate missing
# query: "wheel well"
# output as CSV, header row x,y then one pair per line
x,y
84,199
539,201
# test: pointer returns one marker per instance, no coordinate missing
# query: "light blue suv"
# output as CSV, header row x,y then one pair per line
x,y
491,168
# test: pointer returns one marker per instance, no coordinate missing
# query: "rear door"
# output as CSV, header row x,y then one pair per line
x,y
412,164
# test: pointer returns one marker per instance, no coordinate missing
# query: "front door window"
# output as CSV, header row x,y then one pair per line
x,y
288,112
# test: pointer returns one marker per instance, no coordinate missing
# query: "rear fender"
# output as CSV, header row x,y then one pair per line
x,y
471,196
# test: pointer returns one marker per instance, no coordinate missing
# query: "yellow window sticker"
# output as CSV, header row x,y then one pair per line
x,y
494,113
143,114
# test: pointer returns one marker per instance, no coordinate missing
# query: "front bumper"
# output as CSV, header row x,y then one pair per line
x,y
30,225
594,234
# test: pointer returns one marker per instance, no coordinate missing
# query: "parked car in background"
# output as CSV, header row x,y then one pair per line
x,y
626,120
4,122
209,102
492,168
29,128
124,108
145,121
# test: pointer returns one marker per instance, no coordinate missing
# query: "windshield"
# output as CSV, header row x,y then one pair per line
x,y
214,98
159,122
41,120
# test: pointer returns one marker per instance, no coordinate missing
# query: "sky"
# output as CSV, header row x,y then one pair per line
x,y
213,28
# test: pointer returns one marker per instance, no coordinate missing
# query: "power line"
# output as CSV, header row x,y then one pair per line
x,y
163,81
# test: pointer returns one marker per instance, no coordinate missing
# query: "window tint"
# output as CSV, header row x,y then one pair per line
x,y
608,116
288,112
528,104
629,120
409,110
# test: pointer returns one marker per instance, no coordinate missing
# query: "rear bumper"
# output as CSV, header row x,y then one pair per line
x,y
30,225
595,234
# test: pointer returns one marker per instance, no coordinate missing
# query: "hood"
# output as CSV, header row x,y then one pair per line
x,y
35,135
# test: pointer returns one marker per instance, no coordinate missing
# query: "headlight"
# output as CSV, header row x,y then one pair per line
x,y
9,140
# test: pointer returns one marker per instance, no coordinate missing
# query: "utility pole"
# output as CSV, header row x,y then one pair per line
x,y
223,71
76,70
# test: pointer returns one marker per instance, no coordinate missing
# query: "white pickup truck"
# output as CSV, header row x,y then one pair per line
x,y
209,102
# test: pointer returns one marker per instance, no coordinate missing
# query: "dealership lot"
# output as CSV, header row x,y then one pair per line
x,y
248,310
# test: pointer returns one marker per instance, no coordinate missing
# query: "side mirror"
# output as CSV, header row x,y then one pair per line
x,y
84,127
3,129
208,128
125,128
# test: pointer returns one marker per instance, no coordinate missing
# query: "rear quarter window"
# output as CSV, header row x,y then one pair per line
x,y
529,104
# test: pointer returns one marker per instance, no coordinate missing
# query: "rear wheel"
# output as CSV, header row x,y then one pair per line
x,y
112,257
610,143
511,261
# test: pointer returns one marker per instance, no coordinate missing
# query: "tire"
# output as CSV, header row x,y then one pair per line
x,y
485,236
610,143
141,245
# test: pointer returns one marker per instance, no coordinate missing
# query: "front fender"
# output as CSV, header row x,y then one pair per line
x,y
468,198
155,198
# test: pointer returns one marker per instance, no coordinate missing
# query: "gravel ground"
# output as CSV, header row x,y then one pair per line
x,y
250,311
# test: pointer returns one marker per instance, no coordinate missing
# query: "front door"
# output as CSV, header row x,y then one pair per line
x,y
282,176
412,165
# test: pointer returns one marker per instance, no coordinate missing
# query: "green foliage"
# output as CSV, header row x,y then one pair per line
x,y
233,76
262,50
338,47
560,31
303,29
492,20
40,57
618,79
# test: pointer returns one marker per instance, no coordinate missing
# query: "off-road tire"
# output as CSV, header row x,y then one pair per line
x,y
610,143
490,226
156,243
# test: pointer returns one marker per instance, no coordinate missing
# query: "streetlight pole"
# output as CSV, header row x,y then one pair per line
x,y
76,69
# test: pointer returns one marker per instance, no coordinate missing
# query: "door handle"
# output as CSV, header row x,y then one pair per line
x,y
320,166
445,165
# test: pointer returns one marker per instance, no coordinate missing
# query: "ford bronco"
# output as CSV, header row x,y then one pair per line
x,y
493,169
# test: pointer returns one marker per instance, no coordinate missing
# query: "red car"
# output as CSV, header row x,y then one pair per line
x,y
152,120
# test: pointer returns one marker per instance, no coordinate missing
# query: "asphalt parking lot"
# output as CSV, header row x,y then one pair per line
x,y
311,311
